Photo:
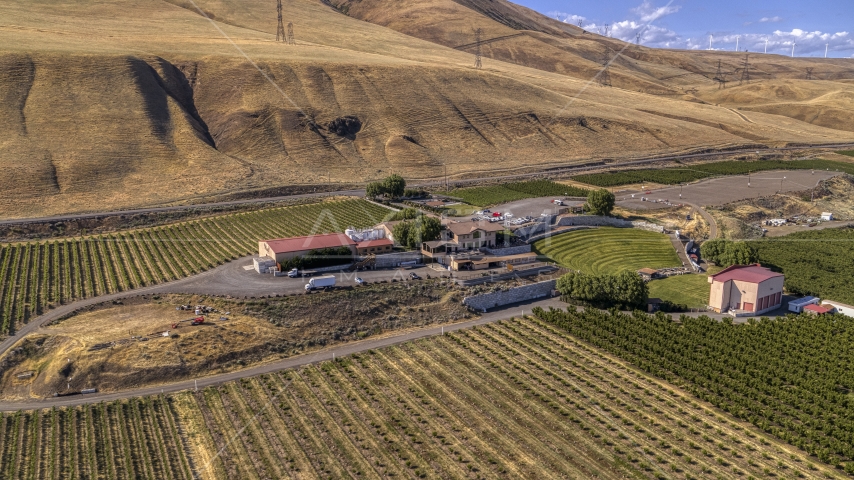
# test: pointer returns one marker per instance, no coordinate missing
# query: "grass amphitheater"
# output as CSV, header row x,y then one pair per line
x,y
39,274
609,250
516,399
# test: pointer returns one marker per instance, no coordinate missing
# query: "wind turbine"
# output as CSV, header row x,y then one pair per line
x,y
736,42
710,42
825,49
793,49
766,45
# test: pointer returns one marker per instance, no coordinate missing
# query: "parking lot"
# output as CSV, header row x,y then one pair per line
x,y
723,190
235,279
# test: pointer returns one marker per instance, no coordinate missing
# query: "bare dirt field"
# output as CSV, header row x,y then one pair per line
x,y
722,190
254,331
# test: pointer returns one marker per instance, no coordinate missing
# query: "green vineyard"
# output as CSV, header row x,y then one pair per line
x,y
790,376
675,176
35,275
819,263
516,399
508,192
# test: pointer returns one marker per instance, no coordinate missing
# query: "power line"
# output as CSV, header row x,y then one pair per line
x,y
280,30
477,53
291,40
809,73
605,74
745,71
720,77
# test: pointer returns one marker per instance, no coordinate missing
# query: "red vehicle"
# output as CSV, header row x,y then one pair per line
x,y
193,321
648,192
496,214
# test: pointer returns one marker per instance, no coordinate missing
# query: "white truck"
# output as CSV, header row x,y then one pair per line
x,y
320,282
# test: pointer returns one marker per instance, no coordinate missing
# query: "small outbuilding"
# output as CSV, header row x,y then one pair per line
x,y
376,247
817,310
653,305
648,273
826,216
797,305
840,308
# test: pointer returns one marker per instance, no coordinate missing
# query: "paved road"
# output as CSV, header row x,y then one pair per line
x,y
360,192
296,361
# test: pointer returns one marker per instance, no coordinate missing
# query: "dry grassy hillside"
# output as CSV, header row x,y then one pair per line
x,y
125,103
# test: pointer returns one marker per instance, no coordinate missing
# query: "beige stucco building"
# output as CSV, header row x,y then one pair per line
x,y
746,290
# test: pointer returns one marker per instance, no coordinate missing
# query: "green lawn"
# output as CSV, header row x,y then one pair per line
x,y
609,250
497,194
690,290
850,153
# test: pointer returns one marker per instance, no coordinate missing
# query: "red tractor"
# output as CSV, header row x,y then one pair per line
x,y
192,321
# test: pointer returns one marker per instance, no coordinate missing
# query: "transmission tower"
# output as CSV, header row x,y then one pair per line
x,y
745,71
720,77
809,73
605,75
280,30
290,38
477,54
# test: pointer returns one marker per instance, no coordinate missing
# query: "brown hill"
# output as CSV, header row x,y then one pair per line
x,y
128,103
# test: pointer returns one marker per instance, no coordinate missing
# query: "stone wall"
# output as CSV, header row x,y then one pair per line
x,y
597,221
388,260
512,295
508,250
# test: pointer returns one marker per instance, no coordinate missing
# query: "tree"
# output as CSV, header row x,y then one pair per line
x,y
713,250
400,232
739,253
374,190
600,202
411,234
394,185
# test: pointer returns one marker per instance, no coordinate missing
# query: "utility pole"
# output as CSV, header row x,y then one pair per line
x,y
809,73
477,53
280,29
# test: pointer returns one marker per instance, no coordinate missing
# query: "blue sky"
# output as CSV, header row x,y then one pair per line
x,y
810,24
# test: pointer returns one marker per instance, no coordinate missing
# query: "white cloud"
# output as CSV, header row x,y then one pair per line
x,y
648,13
770,19
567,17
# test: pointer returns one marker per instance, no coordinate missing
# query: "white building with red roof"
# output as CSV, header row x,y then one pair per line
x,y
746,290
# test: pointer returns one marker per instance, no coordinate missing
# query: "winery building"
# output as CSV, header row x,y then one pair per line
x,y
286,248
745,290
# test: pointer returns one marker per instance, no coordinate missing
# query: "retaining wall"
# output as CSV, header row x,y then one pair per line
x,y
597,221
508,250
512,295
387,260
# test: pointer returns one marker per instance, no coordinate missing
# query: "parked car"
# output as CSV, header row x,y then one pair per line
x,y
508,215
359,281
414,276
496,214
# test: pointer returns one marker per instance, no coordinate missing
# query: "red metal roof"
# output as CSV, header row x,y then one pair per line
x,y
382,242
745,273
311,242
817,308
